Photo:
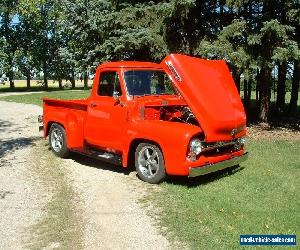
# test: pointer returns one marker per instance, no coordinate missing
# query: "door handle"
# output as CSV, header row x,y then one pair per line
x,y
93,105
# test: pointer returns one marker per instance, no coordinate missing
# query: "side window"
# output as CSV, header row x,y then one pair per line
x,y
109,84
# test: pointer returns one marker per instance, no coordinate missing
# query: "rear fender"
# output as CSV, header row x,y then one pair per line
x,y
73,124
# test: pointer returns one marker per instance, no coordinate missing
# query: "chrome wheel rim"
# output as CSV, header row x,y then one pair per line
x,y
56,140
148,161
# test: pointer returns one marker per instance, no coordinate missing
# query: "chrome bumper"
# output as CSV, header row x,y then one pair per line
x,y
193,172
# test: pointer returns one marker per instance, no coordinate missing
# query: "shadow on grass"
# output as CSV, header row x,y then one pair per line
x,y
277,119
204,179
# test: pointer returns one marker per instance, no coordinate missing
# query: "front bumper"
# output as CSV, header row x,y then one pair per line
x,y
206,169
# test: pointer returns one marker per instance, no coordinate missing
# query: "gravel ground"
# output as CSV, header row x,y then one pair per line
x,y
264,131
106,196
20,203
112,216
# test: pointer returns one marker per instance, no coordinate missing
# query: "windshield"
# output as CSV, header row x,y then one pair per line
x,y
148,82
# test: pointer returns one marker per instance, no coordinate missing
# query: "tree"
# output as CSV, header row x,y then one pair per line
x,y
135,31
295,88
82,34
252,43
9,37
25,59
37,22
67,38
294,18
98,31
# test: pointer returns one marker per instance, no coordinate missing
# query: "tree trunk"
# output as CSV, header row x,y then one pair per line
x,y
295,88
245,90
265,77
11,83
45,75
265,94
280,102
60,83
5,21
72,79
11,79
238,82
257,87
11,74
249,90
236,76
85,80
237,79
45,82
246,95
28,78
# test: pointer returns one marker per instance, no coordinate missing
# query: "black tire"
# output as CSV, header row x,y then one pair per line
x,y
150,169
60,147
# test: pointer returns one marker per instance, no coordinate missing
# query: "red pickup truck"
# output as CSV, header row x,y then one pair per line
x,y
183,116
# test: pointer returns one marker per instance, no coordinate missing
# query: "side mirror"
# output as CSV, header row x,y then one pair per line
x,y
116,95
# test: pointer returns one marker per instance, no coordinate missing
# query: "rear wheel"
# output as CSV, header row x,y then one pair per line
x,y
58,141
149,163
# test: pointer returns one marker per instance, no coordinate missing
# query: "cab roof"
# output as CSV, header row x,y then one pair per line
x,y
130,64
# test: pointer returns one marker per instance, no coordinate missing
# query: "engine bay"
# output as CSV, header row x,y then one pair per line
x,y
173,113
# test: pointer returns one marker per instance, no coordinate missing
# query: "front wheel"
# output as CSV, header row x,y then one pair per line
x,y
58,141
149,163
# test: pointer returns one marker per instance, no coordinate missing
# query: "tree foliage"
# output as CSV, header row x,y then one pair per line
x,y
64,39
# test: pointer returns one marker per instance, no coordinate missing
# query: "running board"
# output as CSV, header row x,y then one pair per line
x,y
106,156
100,154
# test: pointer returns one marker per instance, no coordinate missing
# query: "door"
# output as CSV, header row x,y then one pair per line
x,y
106,113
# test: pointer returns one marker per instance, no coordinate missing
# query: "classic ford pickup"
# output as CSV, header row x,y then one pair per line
x,y
183,116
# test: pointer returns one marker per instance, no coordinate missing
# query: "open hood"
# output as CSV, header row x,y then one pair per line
x,y
208,88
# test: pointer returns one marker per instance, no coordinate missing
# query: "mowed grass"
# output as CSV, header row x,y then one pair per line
x,y
262,197
37,98
273,96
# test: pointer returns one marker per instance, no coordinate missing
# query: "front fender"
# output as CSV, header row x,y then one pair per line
x,y
172,137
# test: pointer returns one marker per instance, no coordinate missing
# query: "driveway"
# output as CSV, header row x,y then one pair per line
x,y
75,203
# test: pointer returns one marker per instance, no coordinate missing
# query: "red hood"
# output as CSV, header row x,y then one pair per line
x,y
208,88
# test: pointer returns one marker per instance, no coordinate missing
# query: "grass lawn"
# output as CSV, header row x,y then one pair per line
x,y
273,96
37,98
210,212
262,197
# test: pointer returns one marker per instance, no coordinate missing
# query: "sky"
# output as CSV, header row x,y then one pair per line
x,y
15,20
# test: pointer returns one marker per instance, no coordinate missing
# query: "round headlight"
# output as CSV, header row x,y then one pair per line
x,y
242,140
196,146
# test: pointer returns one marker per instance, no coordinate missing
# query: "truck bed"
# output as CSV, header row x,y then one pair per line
x,y
71,104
